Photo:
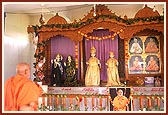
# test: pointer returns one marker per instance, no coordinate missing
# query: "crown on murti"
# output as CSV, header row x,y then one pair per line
x,y
92,50
58,55
111,53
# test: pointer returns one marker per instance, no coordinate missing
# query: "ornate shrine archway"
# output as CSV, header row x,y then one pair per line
x,y
125,28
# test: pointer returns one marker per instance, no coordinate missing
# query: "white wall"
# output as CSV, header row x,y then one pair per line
x,y
17,47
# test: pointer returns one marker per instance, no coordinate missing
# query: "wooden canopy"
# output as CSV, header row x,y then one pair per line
x,y
104,18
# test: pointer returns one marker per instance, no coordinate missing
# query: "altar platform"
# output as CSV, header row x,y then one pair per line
x,y
100,98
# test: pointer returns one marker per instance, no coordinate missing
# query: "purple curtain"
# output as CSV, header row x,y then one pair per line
x,y
103,47
64,46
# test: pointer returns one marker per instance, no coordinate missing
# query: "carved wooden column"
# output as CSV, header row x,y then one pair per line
x,y
81,61
48,62
162,57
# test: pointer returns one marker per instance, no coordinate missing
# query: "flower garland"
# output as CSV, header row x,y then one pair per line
x,y
94,19
76,54
40,60
100,38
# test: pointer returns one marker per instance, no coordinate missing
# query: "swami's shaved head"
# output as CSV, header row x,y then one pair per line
x,y
23,69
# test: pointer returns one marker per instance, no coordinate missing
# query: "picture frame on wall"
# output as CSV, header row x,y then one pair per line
x,y
152,64
136,64
135,45
149,81
151,44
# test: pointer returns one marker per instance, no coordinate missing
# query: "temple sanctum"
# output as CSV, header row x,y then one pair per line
x,y
90,57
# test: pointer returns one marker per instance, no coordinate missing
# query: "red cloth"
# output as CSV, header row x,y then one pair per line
x,y
20,91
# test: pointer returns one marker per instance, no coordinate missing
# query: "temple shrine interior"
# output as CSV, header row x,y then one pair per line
x,y
103,61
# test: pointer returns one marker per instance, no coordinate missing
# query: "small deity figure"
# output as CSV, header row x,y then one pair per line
x,y
57,71
152,65
92,77
136,65
151,47
71,72
112,71
136,48
120,102
157,81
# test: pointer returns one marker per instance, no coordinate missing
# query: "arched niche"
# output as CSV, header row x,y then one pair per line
x,y
58,44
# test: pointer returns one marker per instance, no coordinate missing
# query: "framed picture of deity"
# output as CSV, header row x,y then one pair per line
x,y
151,45
136,64
152,64
135,45
120,99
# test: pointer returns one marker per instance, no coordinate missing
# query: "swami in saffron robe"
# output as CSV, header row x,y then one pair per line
x,y
20,91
